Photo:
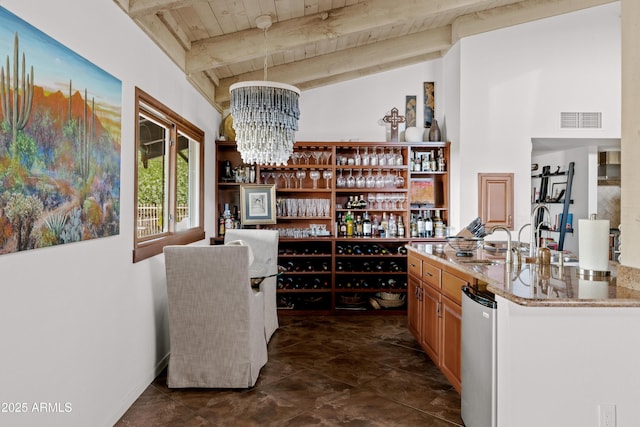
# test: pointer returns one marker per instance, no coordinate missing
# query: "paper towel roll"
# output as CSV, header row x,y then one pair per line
x,y
593,244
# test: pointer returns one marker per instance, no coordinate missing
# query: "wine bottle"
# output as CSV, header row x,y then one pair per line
x,y
428,225
366,225
420,225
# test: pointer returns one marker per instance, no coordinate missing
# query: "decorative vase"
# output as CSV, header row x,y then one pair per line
x,y
434,131
413,134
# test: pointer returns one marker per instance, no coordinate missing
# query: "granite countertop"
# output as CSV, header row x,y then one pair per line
x,y
533,284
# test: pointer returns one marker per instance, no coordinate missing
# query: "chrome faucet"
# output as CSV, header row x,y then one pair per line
x,y
507,258
533,241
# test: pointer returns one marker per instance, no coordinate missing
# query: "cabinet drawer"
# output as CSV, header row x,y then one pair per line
x,y
415,266
452,286
431,274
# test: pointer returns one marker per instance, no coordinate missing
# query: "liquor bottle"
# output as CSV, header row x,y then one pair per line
x,y
343,227
438,225
426,163
366,225
434,164
393,226
339,249
441,162
401,229
384,225
228,223
359,227
413,226
349,203
428,225
221,228
349,221
375,226
362,203
235,217
420,225
412,164
417,164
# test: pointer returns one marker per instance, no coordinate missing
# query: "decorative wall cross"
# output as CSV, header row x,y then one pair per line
x,y
394,119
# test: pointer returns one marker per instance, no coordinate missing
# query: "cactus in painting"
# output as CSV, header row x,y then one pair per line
x,y
16,103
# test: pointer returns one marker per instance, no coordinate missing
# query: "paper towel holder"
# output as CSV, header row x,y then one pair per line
x,y
593,273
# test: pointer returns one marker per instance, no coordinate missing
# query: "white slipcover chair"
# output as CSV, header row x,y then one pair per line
x,y
216,320
264,245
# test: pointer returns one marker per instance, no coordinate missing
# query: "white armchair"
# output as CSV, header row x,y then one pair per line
x,y
216,321
264,244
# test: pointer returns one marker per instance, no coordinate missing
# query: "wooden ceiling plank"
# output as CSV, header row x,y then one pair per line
x,y
208,19
205,86
285,35
239,15
191,27
138,8
223,15
349,60
515,14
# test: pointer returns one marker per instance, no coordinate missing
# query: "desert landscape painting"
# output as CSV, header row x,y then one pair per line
x,y
60,135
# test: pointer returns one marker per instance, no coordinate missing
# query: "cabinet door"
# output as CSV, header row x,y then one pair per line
x,y
414,308
451,355
495,199
430,338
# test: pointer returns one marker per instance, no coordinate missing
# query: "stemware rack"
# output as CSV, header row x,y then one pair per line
x,y
312,191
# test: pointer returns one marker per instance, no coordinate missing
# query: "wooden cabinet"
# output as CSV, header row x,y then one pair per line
x,y
435,313
495,199
341,273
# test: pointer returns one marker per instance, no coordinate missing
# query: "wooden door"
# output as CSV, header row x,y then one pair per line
x,y
495,199
430,328
451,354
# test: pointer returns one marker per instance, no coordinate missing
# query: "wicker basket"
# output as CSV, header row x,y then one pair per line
x,y
391,303
391,295
352,299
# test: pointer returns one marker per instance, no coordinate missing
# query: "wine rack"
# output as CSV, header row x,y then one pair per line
x,y
329,271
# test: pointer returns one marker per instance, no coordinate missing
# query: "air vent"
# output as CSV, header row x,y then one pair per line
x,y
580,120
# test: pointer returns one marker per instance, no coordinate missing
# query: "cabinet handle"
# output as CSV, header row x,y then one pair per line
x,y
439,309
412,265
426,273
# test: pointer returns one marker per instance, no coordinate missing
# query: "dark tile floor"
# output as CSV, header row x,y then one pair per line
x,y
322,371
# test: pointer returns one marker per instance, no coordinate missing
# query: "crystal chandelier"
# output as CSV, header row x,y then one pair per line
x,y
265,115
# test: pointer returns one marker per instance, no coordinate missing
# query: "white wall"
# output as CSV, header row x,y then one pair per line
x,y
80,322
516,81
353,110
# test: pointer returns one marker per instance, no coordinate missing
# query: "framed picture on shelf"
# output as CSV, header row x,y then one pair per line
x,y
422,192
557,191
258,204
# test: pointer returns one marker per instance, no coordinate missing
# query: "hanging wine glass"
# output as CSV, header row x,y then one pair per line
x,y
351,181
370,181
389,179
360,180
379,179
399,180
365,157
341,181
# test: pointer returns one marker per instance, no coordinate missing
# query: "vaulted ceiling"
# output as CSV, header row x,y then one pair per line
x,y
318,42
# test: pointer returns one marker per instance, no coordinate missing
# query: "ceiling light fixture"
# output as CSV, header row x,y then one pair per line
x,y
265,115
